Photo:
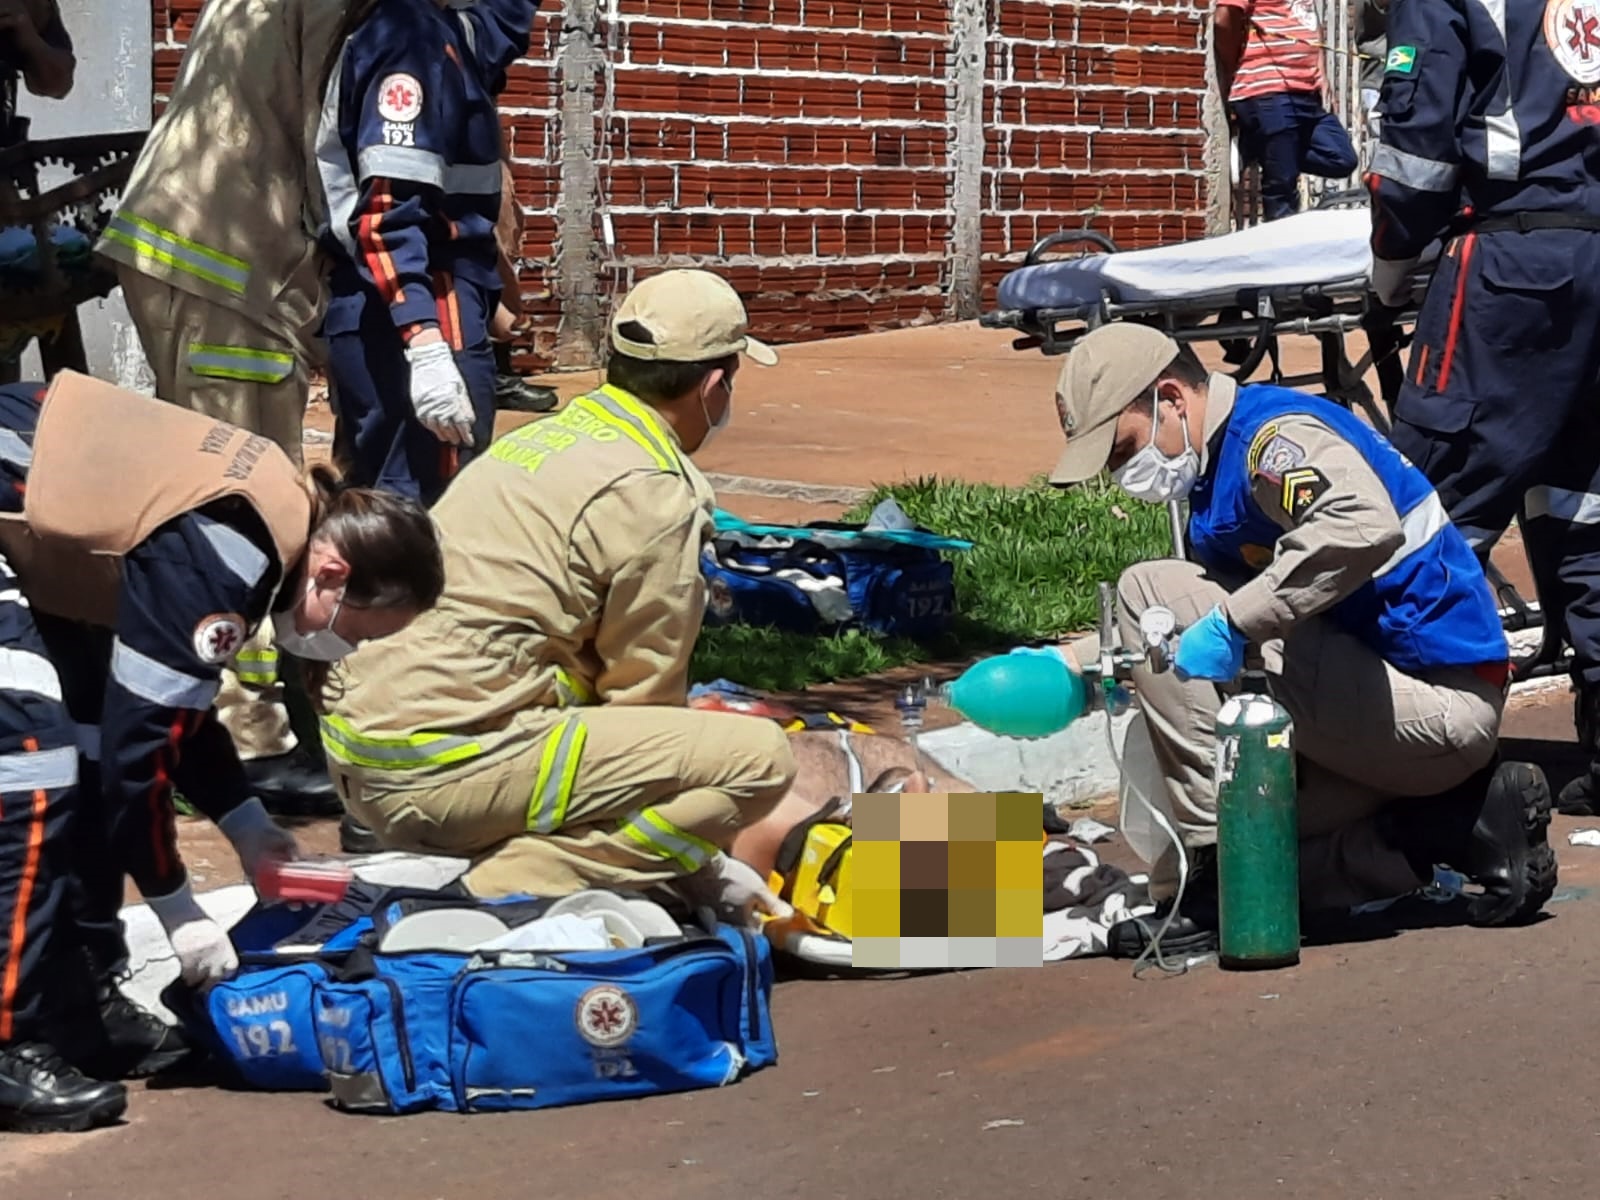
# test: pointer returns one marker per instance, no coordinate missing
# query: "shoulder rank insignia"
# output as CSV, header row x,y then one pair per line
x,y
1302,488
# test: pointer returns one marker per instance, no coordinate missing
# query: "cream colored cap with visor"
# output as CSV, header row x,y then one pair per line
x,y
1105,372
693,316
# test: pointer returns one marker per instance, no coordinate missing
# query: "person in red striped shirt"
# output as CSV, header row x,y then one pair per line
x,y
1269,70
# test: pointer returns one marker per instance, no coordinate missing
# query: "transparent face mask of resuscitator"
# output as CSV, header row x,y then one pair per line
x,y
320,645
1150,475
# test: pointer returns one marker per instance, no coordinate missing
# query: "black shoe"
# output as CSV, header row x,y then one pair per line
x,y
1492,829
1509,855
512,393
134,1044
1193,931
41,1093
294,785
356,838
1581,797
1184,938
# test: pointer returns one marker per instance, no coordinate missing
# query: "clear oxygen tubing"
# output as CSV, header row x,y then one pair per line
x,y
1153,950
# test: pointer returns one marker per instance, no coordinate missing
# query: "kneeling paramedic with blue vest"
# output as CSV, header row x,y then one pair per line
x,y
1315,541
536,721
140,545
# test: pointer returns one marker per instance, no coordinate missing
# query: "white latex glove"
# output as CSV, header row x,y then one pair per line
x,y
1391,280
734,891
439,394
205,954
257,838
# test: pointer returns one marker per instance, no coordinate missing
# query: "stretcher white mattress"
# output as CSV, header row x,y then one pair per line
x,y
1322,247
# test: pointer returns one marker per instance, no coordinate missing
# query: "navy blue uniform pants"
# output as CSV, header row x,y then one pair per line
x,y
380,440
1499,405
1290,133
38,793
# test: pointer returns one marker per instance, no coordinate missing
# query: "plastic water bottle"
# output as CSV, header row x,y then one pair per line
x,y
1028,693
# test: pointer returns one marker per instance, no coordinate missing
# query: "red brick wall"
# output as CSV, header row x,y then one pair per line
x,y
1120,148
805,148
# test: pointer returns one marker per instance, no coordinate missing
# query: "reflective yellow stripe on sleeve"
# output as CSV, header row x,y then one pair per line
x,y
240,362
660,838
558,769
570,690
259,667
148,240
345,743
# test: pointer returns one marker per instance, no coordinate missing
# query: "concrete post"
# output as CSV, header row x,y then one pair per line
x,y
578,65
968,49
1214,116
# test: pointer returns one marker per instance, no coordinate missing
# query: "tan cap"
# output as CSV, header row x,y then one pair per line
x,y
1105,372
693,316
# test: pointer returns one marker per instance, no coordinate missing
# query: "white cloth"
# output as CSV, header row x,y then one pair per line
x,y
1318,247
1083,930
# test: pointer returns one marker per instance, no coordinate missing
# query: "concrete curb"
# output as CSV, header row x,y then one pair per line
x,y
1071,768
787,489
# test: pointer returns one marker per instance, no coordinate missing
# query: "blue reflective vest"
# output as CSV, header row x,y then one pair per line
x,y
1429,606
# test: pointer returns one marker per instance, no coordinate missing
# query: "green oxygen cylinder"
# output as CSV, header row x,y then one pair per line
x,y
1258,841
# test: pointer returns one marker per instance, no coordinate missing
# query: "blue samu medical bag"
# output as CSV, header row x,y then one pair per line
x,y
316,1007
827,576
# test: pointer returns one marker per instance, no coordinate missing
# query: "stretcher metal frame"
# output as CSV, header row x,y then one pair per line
x,y
1328,311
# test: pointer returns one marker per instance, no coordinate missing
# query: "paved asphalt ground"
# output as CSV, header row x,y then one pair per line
x,y
1416,1063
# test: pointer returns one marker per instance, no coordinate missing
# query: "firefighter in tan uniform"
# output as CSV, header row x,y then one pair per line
x,y
140,544
214,241
536,721
1315,541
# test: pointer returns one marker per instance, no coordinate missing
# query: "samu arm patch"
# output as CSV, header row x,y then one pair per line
x,y
1302,487
218,637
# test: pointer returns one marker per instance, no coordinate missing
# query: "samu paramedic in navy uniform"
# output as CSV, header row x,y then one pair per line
x,y
140,545
1491,140
1312,539
408,151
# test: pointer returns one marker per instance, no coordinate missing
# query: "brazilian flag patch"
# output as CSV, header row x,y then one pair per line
x,y
1402,60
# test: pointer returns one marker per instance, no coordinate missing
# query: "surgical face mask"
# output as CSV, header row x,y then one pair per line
x,y
1150,475
320,645
715,427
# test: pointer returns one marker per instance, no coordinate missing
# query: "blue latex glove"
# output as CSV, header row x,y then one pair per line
x,y
1211,649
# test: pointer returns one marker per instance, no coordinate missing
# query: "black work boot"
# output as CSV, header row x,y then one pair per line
x,y
512,393
1492,829
295,784
1581,797
356,838
1193,931
134,1044
40,1092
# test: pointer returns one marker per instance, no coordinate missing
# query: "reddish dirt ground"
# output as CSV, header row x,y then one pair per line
x,y
1402,1066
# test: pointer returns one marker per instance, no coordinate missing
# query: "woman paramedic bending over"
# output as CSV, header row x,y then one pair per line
x,y
140,544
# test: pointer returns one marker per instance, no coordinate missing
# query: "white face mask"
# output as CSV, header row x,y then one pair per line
x,y
1150,475
320,645
715,427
